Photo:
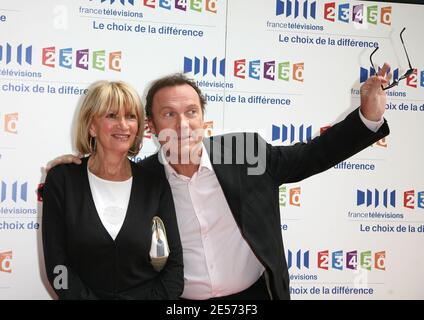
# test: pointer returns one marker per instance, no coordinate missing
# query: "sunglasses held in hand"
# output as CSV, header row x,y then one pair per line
x,y
405,75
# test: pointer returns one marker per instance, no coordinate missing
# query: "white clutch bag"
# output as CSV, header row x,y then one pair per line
x,y
159,250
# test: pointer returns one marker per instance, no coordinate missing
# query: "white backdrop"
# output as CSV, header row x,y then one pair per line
x,y
286,69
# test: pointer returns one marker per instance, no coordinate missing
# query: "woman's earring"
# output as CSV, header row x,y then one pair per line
x,y
92,144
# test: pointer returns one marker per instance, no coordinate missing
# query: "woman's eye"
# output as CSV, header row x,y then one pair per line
x,y
111,115
131,116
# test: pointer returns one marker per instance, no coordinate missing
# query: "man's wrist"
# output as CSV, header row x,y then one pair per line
x,y
370,124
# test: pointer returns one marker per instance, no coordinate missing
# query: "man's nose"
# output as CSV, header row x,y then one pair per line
x,y
183,122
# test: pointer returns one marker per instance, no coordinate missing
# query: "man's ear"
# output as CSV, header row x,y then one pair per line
x,y
151,125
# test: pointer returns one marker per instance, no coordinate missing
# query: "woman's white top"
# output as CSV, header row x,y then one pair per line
x,y
111,199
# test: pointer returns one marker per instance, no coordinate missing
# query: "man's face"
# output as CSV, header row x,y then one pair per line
x,y
177,119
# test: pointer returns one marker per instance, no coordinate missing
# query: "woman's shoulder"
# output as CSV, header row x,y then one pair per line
x,y
68,169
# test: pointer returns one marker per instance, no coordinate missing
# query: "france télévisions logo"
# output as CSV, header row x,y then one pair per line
x,y
208,127
147,132
245,69
123,2
20,54
352,260
364,74
66,58
11,123
178,5
15,191
414,80
204,66
387,198
334,12
184,5
376,198
84,59
268,69
357,13
293,8
291,133
299,259
337,259
290,194
413,199
6,261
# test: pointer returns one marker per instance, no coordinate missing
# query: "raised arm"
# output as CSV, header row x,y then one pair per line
x,y
294,163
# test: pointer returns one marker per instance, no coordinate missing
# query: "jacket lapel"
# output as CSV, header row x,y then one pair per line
x,y
89,216
228,175
153,165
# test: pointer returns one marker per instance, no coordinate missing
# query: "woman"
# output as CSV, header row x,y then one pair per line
x,y
97,217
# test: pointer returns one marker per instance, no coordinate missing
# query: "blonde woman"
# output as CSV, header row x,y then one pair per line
x,y
97,217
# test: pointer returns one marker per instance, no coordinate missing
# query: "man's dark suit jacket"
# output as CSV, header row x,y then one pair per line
x,y
254,199
99,267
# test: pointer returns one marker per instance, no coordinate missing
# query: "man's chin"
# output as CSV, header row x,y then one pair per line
x,y
184,153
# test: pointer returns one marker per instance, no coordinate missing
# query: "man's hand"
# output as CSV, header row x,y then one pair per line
x,y
373,98
67,158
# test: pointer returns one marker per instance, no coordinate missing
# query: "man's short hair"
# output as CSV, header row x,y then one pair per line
x,y
176,79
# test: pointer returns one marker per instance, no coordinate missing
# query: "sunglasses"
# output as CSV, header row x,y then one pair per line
x,y
405,75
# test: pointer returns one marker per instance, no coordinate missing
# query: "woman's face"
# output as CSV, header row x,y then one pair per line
x,y
114,131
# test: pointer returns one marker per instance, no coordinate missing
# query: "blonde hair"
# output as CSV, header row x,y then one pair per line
x,y
102,97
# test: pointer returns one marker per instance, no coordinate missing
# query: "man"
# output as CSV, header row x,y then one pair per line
x,y
227,205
